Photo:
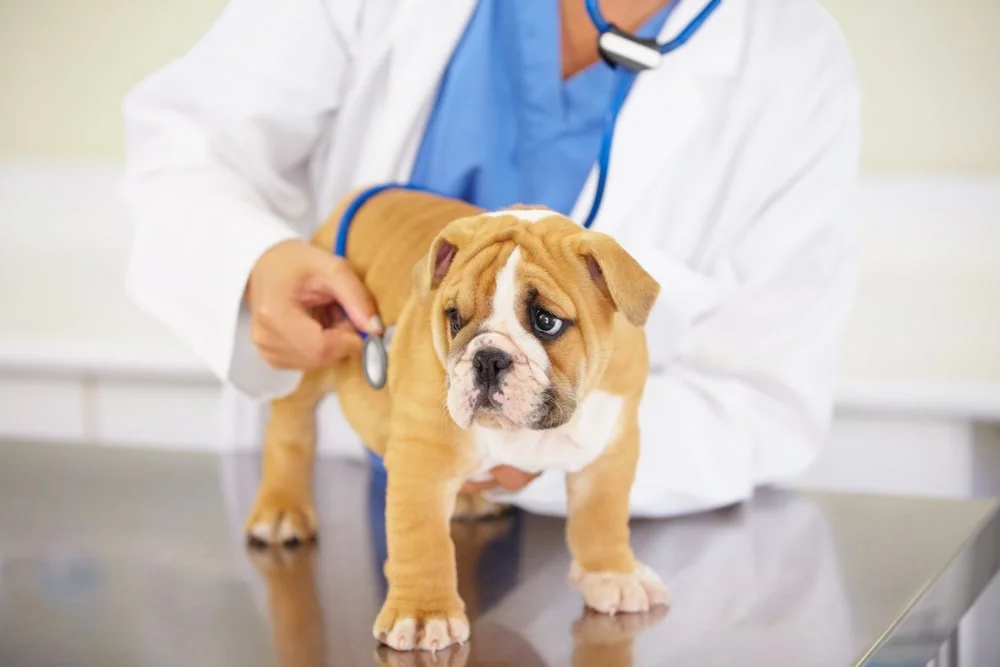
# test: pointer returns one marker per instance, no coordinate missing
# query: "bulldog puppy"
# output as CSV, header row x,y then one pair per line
x,y
518,340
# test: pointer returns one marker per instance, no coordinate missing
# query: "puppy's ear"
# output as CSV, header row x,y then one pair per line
x,y
618,275
433,267
431,270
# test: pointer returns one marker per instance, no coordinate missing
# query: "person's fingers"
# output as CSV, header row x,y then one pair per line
x,y
279,355
272,359
471,488
331,315
302,334
293,338
338,343
302,339
511,478
507,477
270,343
343,285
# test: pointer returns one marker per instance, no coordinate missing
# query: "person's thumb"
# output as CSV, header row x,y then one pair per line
x,y
339,280
512,478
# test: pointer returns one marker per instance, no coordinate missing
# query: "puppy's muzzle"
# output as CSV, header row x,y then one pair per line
x,y
490,365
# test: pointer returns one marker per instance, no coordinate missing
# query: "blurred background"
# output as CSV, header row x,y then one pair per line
x,y
919,395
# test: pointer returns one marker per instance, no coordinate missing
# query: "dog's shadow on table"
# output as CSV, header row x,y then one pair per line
x,y
487,558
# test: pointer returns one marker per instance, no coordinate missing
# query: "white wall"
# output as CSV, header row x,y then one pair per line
x,y
928,70
65,65
929,78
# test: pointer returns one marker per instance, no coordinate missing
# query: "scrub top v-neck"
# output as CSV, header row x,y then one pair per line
x,y
506,128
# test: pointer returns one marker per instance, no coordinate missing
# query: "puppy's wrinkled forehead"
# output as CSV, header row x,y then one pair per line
x,y
516,256
533,253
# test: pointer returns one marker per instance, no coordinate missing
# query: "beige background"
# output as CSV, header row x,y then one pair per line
x,y
929,71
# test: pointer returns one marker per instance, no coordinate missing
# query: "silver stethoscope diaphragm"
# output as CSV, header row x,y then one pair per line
x,y
374,361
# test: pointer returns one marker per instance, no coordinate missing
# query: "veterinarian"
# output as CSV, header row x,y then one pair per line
x,y
731,175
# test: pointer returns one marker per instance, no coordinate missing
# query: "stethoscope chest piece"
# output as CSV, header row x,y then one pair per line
x,y
374,361
618,48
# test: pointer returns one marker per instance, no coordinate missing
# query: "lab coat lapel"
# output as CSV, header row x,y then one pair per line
x,y
422,37
661,112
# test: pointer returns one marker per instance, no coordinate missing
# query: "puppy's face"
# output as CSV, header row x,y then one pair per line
x,y
523,305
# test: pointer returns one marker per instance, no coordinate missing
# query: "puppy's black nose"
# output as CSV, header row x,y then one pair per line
x,y
490,364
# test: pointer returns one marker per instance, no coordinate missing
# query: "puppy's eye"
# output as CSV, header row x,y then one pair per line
x,y
454,320
545,323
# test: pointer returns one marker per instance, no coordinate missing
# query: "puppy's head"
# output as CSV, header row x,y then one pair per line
x,y
523,305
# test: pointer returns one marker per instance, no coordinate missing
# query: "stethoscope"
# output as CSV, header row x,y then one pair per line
x,y
622,51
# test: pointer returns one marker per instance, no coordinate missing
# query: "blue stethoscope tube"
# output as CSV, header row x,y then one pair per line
x,y
621,92
628,69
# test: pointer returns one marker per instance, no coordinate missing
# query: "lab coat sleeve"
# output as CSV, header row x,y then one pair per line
x,y
744,359
217,146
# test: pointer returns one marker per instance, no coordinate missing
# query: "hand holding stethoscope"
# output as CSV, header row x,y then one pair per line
x,y
290,280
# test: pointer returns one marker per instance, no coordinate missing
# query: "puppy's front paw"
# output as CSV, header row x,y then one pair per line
x,y
611,592
281,517
406,628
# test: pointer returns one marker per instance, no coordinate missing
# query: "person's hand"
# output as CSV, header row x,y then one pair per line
x,y
296,292
510,479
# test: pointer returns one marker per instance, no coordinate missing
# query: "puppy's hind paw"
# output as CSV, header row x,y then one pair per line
x,y
280,518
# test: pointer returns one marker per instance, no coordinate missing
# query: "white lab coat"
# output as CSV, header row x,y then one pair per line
x,y
732,175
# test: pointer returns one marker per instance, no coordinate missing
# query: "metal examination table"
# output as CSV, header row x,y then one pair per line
x,y
115,557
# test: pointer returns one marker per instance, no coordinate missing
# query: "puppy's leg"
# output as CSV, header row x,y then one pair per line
x,y
284,511
604,568
422,609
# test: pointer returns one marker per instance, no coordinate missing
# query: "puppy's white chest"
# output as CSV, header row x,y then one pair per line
x,y
569,448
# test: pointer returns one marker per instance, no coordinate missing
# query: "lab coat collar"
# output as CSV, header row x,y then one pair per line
x,y
716,48
419,42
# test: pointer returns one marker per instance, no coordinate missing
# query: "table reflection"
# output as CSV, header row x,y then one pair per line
x,y
298,627
115,557
754,585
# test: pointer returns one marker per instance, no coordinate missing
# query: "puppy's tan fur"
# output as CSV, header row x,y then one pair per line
x,y
418,254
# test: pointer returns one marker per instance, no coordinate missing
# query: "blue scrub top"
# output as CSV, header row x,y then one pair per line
x,y
506,128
